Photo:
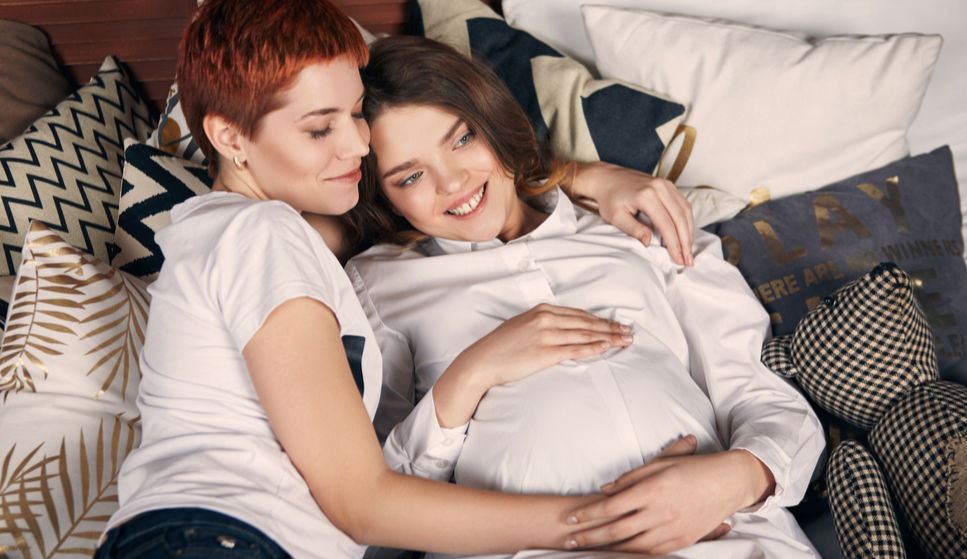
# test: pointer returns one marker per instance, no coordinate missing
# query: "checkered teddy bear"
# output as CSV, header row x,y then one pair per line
x,y
866,355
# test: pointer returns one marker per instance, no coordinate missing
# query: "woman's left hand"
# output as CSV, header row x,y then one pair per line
x,y
674,500
621,193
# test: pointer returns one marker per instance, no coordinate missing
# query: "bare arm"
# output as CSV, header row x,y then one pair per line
x,y
300,372
621,193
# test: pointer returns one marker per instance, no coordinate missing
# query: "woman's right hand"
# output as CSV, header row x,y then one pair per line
x,y
530,342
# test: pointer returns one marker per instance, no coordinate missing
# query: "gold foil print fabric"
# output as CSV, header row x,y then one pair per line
x,y
71,316
58,498
758,196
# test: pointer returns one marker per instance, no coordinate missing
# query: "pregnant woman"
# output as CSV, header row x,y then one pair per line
x,y
476,239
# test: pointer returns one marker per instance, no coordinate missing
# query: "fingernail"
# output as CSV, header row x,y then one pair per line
x,y
607,486
691,260
692,439
626,338
605,345
679,260
625,328
572,519
571,543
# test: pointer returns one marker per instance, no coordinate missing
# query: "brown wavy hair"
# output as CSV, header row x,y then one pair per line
x,y
408,71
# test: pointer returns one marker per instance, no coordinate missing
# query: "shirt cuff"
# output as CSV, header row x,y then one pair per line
x,y
778,464
419,446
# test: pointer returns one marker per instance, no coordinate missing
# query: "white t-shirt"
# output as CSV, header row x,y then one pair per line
x,y
694,368
229,261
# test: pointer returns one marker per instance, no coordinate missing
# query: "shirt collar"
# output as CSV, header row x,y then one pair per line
x,y
561,221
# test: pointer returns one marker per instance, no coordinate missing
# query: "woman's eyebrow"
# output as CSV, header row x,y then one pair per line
x,y
327,110
401,167
452,131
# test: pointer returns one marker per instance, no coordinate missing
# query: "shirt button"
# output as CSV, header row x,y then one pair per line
x,y
442,463
448,442
524,265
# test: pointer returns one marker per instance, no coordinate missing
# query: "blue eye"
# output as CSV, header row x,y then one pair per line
x,y
465,139
412,178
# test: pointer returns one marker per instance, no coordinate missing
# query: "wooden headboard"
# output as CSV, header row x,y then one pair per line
x,y
144,34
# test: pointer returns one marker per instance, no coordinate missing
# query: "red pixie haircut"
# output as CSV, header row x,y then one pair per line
x,y
236,56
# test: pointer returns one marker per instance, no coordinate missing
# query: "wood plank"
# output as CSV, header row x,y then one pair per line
x,y
41,13
144,69
126,51
142,29
378,14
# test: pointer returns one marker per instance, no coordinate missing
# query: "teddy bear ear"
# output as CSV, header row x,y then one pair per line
x,y
775,355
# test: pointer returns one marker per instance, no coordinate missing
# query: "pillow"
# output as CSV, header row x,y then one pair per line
x,y
773,110
69,378
583,118
6,288
154,182
943,115
710,205
30,83
796,250
172,134
66,169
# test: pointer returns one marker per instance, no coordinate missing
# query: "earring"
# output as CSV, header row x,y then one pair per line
x,y
238,164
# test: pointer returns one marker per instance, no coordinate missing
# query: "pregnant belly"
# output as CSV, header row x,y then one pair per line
x,y
574,427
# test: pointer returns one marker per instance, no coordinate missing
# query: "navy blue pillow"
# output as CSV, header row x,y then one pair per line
x,y
796,250
583,119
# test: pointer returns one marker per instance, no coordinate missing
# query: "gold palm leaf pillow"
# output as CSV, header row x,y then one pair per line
x,y
68,387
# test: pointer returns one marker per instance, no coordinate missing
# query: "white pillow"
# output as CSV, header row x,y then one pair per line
x,y
771,109
710,205
68,397
943,116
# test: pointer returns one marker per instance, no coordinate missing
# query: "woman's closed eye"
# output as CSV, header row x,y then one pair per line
x,y
319,134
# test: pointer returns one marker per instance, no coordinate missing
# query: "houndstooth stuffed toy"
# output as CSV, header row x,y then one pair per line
x,y
867,356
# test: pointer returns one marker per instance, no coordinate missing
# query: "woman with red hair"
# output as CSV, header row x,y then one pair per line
x,y
260,372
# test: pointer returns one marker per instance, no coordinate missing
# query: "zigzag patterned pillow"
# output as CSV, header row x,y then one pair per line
x,y
69,383
585,119
65,170
153,182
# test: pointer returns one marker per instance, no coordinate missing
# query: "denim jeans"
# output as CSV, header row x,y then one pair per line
x,y
186,533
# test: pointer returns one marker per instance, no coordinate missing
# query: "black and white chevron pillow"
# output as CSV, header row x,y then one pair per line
x,y
583,119
154,182
65,170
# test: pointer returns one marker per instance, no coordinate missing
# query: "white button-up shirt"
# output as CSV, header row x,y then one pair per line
x,y
693,368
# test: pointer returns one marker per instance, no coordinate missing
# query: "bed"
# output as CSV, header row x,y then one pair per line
x,y
793,147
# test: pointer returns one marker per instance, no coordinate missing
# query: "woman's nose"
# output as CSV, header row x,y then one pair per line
x,y
355,142
452,178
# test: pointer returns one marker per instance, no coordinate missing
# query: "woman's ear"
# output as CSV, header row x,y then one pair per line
x,y
224,137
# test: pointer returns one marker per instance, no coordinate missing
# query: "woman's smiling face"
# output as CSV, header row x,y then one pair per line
x,y
308,151
443,178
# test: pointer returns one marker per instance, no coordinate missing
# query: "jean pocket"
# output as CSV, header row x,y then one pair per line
x,y
227,542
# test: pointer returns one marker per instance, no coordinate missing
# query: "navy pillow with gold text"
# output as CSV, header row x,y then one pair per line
x,y
796,250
